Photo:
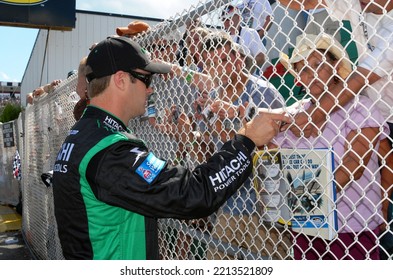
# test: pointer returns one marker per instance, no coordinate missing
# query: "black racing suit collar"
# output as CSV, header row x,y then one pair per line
x,y
107,119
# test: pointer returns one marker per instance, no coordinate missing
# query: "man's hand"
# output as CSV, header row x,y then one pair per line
x,y
263,127
307,123
51,87
224,109
200,103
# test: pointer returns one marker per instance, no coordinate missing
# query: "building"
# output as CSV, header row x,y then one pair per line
x,y
9,90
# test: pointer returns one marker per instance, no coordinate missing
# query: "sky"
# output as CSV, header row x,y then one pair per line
x,y
17,43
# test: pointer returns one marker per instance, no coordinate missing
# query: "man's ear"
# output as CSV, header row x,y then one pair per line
x,y
120,79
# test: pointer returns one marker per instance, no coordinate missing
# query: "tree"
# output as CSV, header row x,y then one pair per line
x,y
10,112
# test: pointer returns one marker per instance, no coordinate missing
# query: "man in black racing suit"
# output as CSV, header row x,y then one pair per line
x,y
109,189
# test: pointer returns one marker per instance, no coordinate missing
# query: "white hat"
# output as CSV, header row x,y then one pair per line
x,y
308,43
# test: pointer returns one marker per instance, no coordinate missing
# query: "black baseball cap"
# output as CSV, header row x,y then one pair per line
x,y
120,53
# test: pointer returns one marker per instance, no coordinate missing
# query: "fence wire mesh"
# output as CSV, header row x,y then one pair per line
x,y
292,187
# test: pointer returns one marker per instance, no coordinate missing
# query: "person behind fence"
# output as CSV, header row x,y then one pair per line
x,y
183,48
353,131
208,82
109,189
170,98
232,87
257,14
41,91
372,26
29,99
237,222
193,42
195,63
204,98
81,90
169,90
243,35
372,23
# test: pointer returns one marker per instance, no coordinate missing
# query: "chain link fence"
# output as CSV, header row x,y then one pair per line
x,y
290,205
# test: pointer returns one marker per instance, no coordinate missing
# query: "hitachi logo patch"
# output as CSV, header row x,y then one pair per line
x,y
65,152
112,124
230,172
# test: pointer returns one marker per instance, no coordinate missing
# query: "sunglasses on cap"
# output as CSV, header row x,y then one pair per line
x,y
144,78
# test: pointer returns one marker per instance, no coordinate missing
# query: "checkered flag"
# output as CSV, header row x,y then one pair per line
x,y
16,167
